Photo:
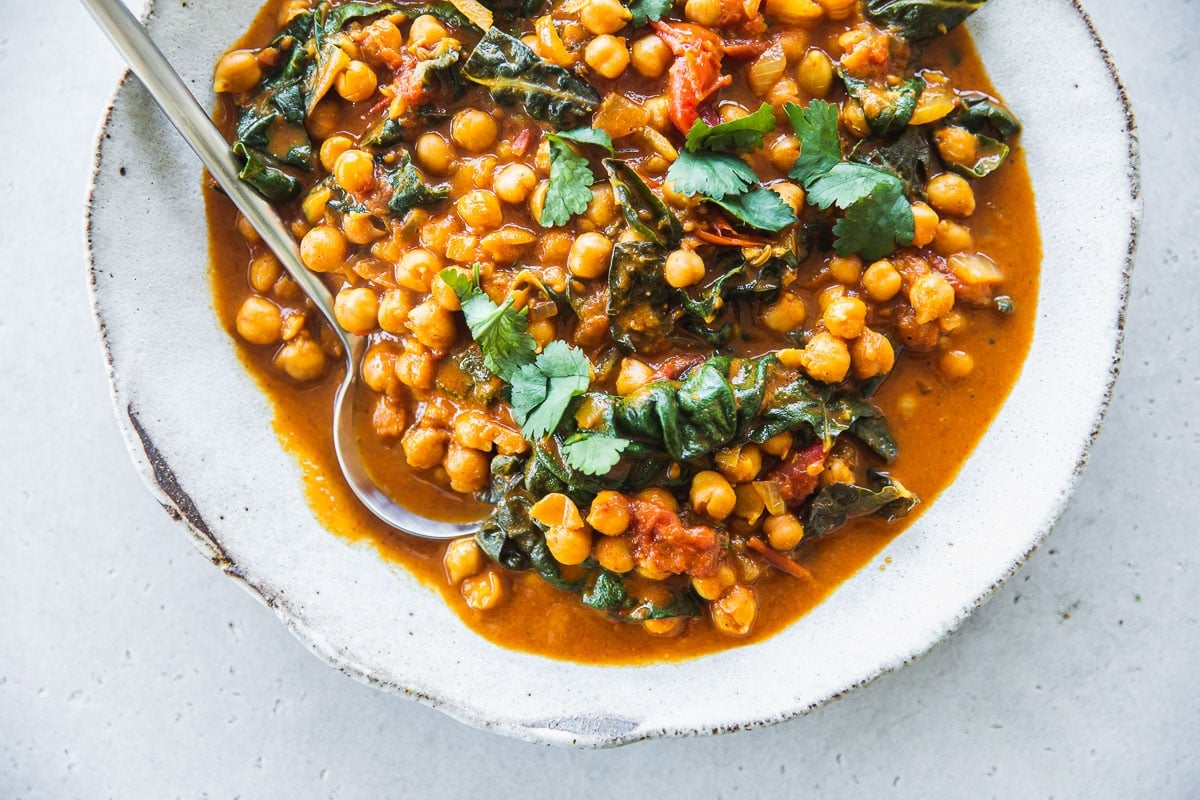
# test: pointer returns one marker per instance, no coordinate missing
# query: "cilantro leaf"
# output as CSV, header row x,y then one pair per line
x,y
587,136
594,453
713,175
500,331
645,11
874,226
820,148
743,134
571,179
541,391
760,208
847,183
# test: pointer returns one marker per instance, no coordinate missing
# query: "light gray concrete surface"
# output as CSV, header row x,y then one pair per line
x,y
131,668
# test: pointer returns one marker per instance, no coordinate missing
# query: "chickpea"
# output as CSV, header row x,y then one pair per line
x,y
614,554
882,281
480,209
357,82
360,228
379,369
609,513
424,448
712,495
632,376
651,57
302,359
785,314
668,626
783,532
778,445
951,194
514,182
826,358
956,363
872,354
590,255
607,55
784,150
356,310
684,268
604,16
323,120
417,268
426,31
444,294
815,73
846,270
951,237
258,321
659,110
854,119
845,317
485,591
394,306
791,194
537,200
246,229
323,249
237,71
544,331
463,559
957,145
740,464
265,269
708,588
931,296
602,210
433,325
354,171
434,154
837,9
734,613
659,497
925,223
569,545
473,130
466,467
333,147
703,12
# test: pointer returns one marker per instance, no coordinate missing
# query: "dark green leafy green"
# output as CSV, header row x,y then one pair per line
x,y
839,503
607,593
640,315
743,134
644,210
436,80
760,208
918,20
990,154
516,76
887,108
500,331
981,111
271,182
410,190
910,156
713,175
511,539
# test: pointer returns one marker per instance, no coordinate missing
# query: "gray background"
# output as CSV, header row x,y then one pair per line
x,y
130,667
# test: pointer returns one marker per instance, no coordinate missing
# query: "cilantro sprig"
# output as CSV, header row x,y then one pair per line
x,y
743,134
593,453
571,177
877,216
542,386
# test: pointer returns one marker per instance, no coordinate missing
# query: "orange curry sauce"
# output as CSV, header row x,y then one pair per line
x,y
949,419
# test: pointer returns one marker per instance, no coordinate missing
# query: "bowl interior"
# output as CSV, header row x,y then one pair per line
x,y
200,433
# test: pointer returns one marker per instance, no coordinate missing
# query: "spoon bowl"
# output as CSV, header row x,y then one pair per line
x,y
186,114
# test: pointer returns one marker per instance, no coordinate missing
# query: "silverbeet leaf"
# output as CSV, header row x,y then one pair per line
x,y
838,503
516,76
918,20
645,212
888,109
271,182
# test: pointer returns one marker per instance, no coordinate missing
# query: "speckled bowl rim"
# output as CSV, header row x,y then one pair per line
x,y
161,481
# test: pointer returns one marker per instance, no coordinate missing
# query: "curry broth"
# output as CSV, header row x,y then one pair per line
x,y
949,419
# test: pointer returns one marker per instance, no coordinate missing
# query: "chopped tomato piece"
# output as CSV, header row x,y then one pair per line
x,y
662,543
797,477
695,74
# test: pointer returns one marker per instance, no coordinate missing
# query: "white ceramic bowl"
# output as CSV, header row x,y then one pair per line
x,y
199,430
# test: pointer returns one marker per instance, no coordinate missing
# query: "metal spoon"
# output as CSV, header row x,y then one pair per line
x,y
181,108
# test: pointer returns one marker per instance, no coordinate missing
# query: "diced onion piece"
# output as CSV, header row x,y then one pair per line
x,y
660,144
936,102
750,505
766,70
473,10
772,497
975,269
550,44
543,309
618,116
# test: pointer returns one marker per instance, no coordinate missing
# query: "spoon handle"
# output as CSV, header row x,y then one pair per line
x,y
185,113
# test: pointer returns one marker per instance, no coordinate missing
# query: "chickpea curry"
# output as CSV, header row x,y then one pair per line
x,y
694,304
